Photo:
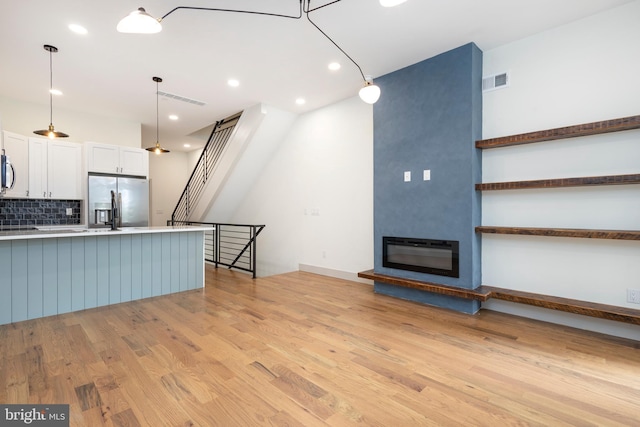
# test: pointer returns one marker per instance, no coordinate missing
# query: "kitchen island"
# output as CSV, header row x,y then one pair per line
x,y
53,271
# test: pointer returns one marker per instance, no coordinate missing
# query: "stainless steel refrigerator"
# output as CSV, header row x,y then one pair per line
x,y
132,199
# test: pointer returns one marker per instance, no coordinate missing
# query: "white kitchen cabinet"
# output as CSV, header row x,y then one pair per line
x,y
38,186
55,169
114,159
17,148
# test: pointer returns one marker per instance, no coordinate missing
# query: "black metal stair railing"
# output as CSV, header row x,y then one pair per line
x,y
209,158
230,245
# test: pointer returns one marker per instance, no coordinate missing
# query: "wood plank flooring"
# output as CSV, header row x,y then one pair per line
x,y
300,349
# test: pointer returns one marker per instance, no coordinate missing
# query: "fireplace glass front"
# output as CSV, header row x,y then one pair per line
x,y
431,256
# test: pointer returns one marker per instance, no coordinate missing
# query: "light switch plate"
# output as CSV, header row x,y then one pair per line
x,y
407,176
69,211
426,174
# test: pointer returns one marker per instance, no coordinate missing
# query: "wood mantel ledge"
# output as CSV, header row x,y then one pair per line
x,y
484,293
477,294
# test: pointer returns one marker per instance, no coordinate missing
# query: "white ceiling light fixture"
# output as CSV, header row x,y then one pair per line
x,y
50,132
334,66
157,149
56,92
173,117
301,101
233,82
391,3
370,93
139,21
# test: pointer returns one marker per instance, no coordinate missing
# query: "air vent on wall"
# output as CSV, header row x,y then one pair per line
x,y
181,98
495,81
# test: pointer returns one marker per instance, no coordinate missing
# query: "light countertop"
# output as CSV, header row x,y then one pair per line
x,y
78,231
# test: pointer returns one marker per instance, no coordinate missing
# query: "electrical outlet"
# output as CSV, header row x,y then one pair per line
x,y
69,211
633,296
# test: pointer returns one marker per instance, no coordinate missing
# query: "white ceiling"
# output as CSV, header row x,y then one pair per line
x,y
276,60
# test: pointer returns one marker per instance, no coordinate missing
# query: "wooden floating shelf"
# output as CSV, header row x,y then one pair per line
x,y
602,311
563,232
484,293
586,129
561,182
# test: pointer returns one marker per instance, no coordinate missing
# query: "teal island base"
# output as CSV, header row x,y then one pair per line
x,y
55,274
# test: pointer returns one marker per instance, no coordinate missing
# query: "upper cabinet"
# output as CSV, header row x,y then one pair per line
x,y
17,148
114,159
55,169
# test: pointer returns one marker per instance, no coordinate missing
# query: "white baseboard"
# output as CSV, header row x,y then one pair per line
x,y
338,274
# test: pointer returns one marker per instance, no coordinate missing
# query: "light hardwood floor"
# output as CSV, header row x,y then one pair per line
x,y
300,349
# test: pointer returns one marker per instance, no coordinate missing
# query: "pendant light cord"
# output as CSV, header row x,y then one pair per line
x,y
305,7
50,87
234,10
157,113
307,10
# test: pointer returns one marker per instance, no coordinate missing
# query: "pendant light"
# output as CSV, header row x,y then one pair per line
x,y
51,132
140,22
157,149
370,93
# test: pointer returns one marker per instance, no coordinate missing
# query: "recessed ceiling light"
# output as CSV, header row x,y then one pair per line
x,y
78,29
173,117
334,66
300,101
391,3
55,92
187,145
233,82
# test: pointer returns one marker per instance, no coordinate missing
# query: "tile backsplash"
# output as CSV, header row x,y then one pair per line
x,y
26,213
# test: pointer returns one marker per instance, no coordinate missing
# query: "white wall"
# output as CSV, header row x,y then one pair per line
x,y
256,137
582,72
168,176
315,195
23,118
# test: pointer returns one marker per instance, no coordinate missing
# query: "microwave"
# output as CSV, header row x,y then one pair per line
x,y
7,173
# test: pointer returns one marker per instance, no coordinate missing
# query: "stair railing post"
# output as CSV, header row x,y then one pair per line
x,y
216,240
253,250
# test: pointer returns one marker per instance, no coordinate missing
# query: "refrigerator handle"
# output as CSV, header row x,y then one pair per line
x,y
120,210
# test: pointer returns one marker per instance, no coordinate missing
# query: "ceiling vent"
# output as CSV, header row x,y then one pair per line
x,y
496,81
181,98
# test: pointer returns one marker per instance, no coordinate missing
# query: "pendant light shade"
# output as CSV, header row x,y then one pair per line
x,y
50,132
369,93
139,22
157,149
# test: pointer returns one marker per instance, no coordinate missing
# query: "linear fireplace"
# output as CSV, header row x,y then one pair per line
x,y
440,257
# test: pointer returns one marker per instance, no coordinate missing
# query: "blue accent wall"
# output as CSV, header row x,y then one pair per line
x,y
428,117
